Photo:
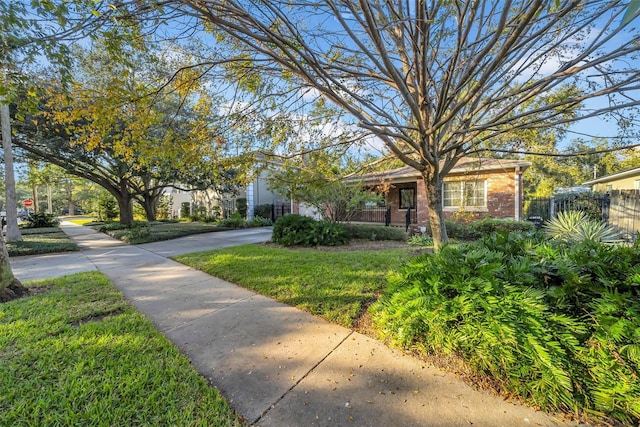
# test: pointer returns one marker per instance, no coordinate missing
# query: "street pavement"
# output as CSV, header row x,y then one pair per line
x,y
276,365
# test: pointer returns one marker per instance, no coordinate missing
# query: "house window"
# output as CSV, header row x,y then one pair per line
x,y
407,198
636,184
464,193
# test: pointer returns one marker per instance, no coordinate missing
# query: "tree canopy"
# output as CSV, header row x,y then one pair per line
x,y
119,130
437,80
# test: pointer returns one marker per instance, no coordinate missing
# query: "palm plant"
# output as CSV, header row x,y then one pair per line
x,y
577,226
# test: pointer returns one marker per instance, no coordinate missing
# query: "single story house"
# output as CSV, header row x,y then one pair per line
x,y
627,180
477,187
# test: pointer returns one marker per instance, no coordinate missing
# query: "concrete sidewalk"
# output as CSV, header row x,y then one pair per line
x,y
276,365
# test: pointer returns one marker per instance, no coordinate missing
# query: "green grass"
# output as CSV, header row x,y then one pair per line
x,y
145,232
41,241
334,285
79,354
82,220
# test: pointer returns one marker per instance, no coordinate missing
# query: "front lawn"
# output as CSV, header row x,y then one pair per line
x,y
337,285
556,324
77,353
41,241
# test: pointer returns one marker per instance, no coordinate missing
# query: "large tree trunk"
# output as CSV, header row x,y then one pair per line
x,y
433,188
149,205
125,204
10,287
13,232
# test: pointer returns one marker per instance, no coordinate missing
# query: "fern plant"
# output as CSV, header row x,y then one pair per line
x,y
577,226
556,324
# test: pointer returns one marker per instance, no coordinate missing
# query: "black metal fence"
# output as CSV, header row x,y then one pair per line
x,y
377,215
544,209
380,215
620,208
280,208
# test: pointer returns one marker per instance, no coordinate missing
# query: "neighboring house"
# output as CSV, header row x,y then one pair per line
x,y
178,197
475,186
257,192
627,180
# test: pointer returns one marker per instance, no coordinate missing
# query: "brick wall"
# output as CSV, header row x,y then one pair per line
x,y
393,201
500,187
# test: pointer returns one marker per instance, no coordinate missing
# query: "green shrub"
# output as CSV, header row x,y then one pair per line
x,y
234,221
555,323
40,219
260,222
107,207
185,209
291,229
375,232
295,229
327,233
241,206
477,229
263,211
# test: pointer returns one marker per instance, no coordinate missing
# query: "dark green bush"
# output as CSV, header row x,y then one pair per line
x,y
375,232
557,324
327,233
241,206
301,230
40,219
477,229
263,211
292,229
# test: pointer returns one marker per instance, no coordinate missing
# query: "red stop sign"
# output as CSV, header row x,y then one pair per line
x,y
27,203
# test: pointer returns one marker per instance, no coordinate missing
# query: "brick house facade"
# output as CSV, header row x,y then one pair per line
x,y
475,188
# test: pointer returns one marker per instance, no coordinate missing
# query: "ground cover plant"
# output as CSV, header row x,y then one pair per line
x,y
42,240
554,322
474,230
145,232
77,353
335,285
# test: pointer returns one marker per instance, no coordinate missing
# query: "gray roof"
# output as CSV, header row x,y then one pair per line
x,y
464,165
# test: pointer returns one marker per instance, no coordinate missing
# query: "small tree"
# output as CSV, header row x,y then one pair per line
x,y
185,210
241,206
107,207
318,180
164,207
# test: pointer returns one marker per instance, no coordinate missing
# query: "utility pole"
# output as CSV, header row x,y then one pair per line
x,y
13,232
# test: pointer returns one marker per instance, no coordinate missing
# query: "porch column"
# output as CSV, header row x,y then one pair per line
x,y
250,203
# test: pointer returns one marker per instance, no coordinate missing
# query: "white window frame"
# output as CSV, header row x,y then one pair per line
x,y
459,200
